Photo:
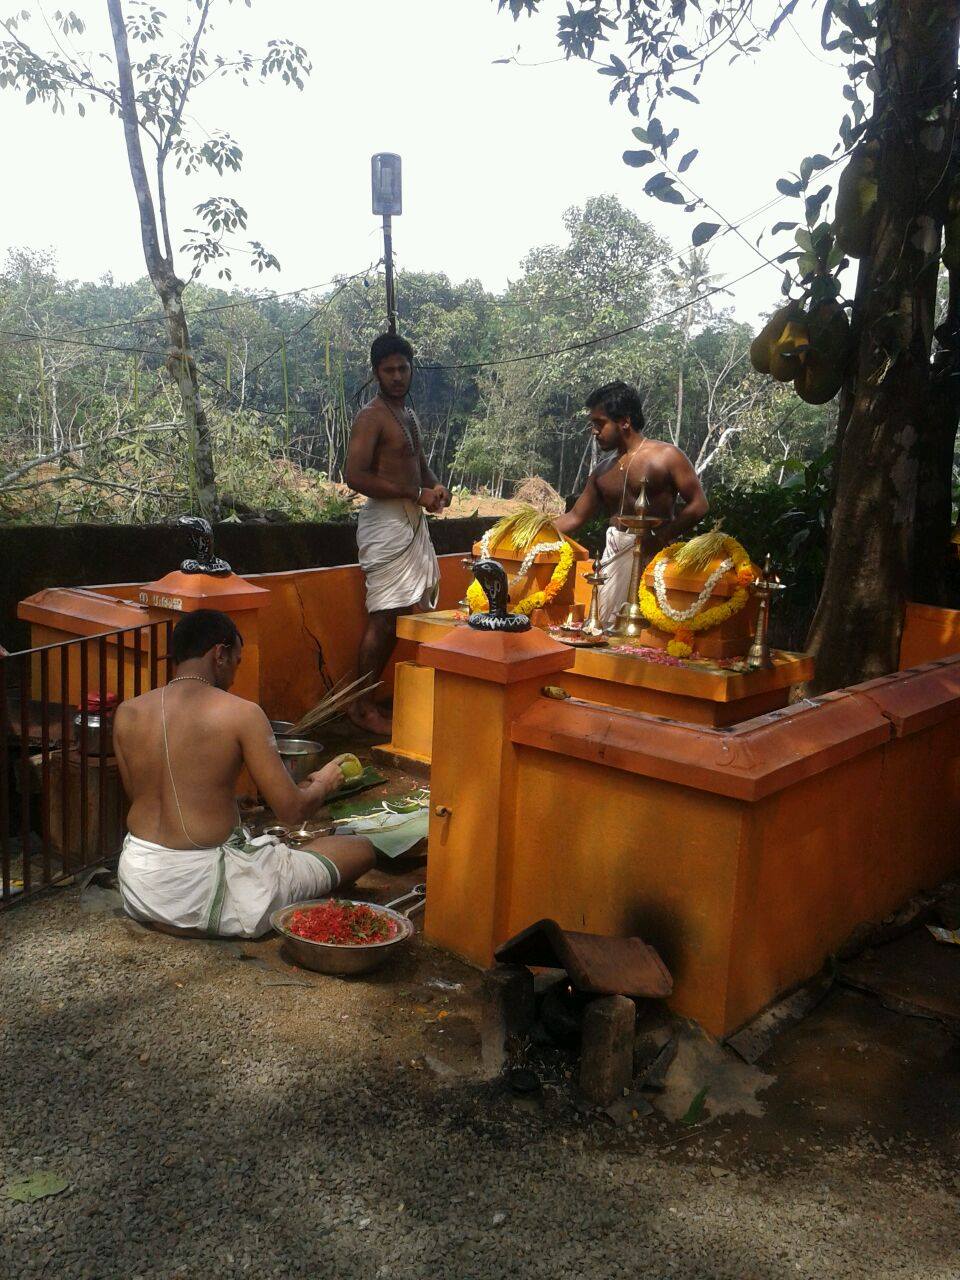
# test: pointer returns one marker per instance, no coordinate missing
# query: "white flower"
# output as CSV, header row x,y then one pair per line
x,y
685,615
527,562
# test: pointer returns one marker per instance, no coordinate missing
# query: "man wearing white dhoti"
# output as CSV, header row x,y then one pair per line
x,y
187,864
674,492
386,463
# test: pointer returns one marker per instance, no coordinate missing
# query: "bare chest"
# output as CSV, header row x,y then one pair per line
x,y
399,435
619,486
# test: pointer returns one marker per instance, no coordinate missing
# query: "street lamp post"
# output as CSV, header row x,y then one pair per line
x,y
387,186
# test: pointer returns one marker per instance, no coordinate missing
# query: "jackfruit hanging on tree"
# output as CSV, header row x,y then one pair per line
x,y
762,346
808,341
857,200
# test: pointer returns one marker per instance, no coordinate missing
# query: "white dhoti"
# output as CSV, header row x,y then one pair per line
x,y
227,891
617,563
397,556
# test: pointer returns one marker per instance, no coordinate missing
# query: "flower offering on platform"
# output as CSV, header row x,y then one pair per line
x,y
539,564
696,598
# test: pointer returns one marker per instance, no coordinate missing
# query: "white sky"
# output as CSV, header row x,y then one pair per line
x,y
492,154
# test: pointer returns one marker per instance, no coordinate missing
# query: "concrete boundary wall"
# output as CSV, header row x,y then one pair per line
x,y
746,856
33,557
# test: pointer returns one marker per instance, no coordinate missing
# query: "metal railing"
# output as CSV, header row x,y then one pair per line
x,y
62,805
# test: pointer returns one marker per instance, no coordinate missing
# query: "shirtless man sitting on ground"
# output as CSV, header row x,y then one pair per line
x,y
187,864
616,420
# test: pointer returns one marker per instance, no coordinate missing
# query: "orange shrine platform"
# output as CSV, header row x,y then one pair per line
x,y
743,837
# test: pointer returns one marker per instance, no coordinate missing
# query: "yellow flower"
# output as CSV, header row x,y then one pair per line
x,y
706,619
529,604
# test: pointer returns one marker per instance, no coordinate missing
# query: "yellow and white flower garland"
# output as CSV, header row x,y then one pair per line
x,y
477,600
682,624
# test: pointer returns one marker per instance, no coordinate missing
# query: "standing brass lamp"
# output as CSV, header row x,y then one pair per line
x,y
597,578
764,588
630,620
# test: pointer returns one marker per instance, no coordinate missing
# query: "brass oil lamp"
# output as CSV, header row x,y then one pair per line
x,y
630,621
592,626
764,587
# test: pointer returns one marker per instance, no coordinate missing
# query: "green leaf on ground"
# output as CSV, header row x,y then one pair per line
x,y
38,1185
695,1110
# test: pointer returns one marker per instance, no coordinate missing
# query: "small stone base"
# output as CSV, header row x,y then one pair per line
x,y
606,1055
508,1011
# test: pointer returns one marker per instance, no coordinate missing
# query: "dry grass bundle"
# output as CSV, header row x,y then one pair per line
x,y
521,529
539,494
333,704
695,555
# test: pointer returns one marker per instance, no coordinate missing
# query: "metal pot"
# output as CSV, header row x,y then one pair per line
x,y
337,958
98,714
281,728
300,756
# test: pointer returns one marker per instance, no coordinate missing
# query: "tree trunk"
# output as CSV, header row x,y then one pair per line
x,y
183,370
679,415
180,362
892,434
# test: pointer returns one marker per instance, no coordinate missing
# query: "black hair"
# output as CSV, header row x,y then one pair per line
x,y
389,344
618,400
198,632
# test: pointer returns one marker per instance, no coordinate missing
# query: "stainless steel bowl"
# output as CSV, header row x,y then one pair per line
x,y
301,756
339,959
281,728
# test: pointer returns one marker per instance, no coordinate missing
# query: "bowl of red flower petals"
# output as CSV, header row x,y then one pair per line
x,y
343,936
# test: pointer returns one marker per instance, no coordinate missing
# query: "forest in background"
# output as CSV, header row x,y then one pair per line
x,y
90,427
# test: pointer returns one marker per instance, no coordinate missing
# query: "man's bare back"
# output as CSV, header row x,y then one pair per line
x,y
211,734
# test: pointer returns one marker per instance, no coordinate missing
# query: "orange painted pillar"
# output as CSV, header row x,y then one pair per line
x,y
484,680
181,592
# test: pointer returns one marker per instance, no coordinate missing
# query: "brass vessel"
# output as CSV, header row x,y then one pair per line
x,y
630,621
764,588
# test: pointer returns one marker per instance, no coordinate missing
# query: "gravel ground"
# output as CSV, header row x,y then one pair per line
x,y
220,1115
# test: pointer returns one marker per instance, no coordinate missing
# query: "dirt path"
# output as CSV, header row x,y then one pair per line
x,y
215,1112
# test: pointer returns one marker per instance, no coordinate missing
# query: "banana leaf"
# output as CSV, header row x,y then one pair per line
x,y
363,782
392,835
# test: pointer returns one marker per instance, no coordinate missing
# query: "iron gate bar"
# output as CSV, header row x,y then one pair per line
x,y
4,784
29,670
137,659
66,738
121,691
102,770
84,756
153,661
26,874
45,763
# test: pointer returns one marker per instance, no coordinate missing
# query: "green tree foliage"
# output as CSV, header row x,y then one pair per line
x,y
89,428
153,72
896,208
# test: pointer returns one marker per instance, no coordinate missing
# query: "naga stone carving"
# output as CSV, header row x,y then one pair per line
x,y
493,578
203,561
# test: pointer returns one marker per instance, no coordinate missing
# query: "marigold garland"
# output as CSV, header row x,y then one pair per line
x,y
684,632
537,599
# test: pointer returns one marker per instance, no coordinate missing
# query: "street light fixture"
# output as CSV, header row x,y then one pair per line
x,y
386,182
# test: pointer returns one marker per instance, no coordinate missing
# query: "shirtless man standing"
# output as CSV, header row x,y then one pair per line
x,y
386,463
187,864
616,419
